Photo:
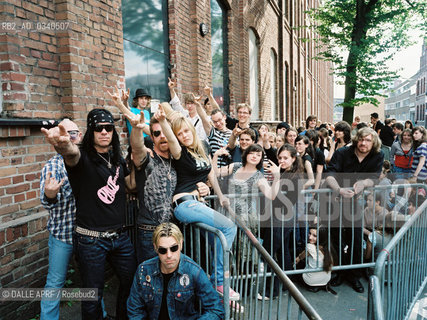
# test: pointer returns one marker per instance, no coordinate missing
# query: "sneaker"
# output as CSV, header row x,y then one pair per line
x,y
260,297
236,307
233,295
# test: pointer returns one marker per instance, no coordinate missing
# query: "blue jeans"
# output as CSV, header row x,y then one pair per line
x,y
92,256
144,246
191,211
59,256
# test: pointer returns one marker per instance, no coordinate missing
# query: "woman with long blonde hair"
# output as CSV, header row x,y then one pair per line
x,y
193,165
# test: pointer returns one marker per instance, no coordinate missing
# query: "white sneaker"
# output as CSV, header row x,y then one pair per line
x,y
233,295
260,297
236,307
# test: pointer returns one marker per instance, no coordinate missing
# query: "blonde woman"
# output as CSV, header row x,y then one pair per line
x,y
193,165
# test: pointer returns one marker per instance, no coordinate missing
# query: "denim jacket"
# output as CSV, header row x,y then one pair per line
x,y
188,283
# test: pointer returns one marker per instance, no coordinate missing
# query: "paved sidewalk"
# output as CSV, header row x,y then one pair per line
x,y
346,305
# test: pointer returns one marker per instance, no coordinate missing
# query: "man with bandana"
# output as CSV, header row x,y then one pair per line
x,y
98,176
167,286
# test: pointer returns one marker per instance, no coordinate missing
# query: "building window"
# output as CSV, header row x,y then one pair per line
x,y
285,110
146,46
273,85
253,74
219,54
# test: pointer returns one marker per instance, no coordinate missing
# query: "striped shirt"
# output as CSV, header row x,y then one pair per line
x,y
217,140
420,152
62,213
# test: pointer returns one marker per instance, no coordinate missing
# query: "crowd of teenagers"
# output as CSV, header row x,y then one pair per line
x,y
188,149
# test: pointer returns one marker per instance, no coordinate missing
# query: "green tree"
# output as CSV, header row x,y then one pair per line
x,y
360,37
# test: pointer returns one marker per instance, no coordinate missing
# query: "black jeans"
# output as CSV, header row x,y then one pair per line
x,y
92,256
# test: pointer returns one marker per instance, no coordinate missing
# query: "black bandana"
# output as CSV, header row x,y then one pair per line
x,y
99,115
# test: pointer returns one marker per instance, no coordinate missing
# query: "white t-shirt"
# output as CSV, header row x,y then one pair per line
x,y
196,121
315,260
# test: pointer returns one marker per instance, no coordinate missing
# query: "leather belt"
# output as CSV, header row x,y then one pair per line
x,y
146,227
177,202
99,234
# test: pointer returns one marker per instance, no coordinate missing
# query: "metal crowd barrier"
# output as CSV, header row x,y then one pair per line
x,y
246,277
401,270
250,270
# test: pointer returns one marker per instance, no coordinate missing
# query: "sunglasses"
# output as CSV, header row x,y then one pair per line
x,y
100,127
156,133
73,134
162,250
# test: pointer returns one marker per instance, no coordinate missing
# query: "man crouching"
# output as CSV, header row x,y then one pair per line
x,y
167,286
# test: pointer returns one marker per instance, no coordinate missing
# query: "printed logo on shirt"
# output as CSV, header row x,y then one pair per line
x,y
107,194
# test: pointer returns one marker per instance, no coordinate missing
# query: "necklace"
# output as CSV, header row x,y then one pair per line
x,y
109,165
170,167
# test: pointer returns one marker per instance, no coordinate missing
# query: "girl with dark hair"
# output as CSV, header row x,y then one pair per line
x,y
419,162
342,138
278,231
245,183
247,179
319,254
409,125
319,157
306,152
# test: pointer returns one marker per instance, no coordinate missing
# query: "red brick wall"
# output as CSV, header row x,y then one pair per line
x,y
48,75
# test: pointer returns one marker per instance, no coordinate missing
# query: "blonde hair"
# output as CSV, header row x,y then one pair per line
x,y
188,98
167,229
244,105
196,149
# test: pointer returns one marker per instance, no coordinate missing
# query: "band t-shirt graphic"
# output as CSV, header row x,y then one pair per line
x,y
99,192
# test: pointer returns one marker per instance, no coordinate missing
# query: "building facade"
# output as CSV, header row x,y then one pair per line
x,y
421,90
58,59
400,101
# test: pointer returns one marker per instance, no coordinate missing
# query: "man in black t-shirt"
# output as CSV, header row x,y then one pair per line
x,y
243,120
362,161
98,176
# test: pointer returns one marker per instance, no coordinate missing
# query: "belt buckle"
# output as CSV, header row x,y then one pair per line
x,y
109,235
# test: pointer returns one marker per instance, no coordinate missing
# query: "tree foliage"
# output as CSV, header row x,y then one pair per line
x,y
360,37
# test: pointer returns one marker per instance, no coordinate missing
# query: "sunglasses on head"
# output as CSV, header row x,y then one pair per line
x,y
100,127
156,133
162,250
73,134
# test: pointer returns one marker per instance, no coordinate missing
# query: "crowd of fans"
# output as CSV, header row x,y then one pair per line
x,y
184,151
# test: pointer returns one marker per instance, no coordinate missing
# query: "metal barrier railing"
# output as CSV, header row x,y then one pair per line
x,y
244,276
401,270
254,273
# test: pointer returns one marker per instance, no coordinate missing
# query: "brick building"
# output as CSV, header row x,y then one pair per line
x,y
248,50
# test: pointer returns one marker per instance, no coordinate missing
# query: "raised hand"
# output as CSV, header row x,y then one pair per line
x,y
171,83
197,99
58,136
52,186
221,152
137,120
273,169
125,96
160,114
237,131
207,90
116,96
